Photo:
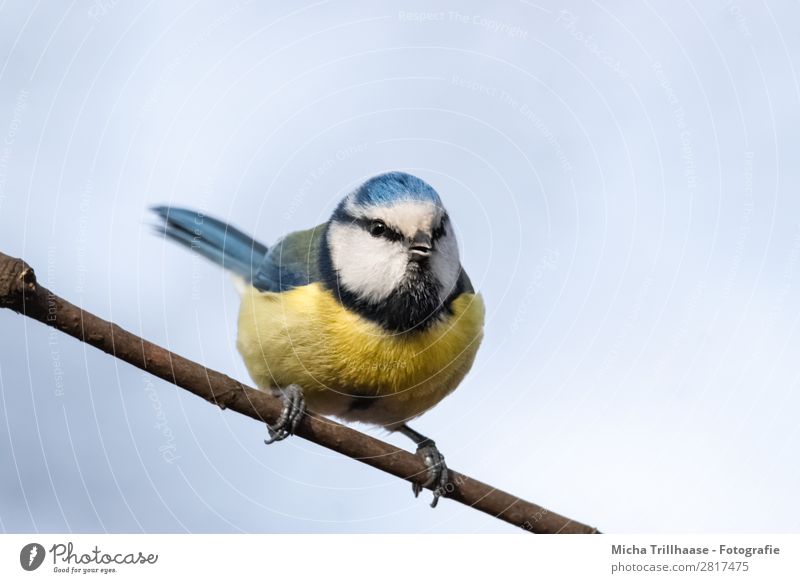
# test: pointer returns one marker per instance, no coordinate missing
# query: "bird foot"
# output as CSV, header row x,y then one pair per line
x,y
438,474
294,406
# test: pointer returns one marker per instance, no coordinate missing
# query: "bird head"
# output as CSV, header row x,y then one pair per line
x,y
392,253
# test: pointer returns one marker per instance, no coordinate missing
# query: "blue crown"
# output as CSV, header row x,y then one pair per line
x,y
391,187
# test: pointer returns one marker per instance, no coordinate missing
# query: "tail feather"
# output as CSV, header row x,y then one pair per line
x,y
213,239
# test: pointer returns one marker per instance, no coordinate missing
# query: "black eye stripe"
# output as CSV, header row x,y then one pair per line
x,y
388,233
441,230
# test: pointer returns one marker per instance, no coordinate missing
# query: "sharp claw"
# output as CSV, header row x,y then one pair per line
x,y
293,409
441,488
275,435
437,472
296,414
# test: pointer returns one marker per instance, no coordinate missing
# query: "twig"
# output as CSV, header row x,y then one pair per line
x,y
20,292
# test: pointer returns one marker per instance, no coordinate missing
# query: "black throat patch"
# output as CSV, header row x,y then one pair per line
x,y
413,306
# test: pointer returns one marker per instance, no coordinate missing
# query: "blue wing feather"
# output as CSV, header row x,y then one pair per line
x,y
292,262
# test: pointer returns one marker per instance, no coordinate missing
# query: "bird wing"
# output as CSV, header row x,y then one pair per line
x,y
291,262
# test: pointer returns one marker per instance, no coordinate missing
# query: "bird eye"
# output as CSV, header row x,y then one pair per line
x,y
377,228
440,231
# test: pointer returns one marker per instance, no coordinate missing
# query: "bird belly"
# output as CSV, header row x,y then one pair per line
x,y
349,366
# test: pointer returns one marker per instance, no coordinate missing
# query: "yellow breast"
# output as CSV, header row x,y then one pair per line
x,y
305,336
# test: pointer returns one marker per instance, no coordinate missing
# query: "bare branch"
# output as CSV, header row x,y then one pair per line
x,y
20,292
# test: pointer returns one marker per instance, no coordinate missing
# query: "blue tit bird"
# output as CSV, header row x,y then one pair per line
x,y
368,317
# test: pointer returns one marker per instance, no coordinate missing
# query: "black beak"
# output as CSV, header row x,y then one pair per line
x,y
421,246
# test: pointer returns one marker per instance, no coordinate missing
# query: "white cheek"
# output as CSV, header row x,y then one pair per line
x,y
446,265
368,266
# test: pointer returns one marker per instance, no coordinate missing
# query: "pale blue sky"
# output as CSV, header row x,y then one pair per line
x,y
624,182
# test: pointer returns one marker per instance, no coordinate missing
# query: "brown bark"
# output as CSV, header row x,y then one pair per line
x,y
20,292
